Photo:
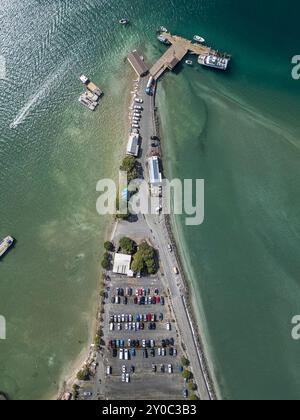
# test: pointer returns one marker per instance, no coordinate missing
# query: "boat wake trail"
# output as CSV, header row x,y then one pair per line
x,y
38,97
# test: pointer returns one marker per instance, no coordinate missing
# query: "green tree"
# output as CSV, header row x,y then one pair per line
x,y
138,263
106,261
145,259
83,374
109,246
128,246
193,386
129,165
194,397
187,374
185,362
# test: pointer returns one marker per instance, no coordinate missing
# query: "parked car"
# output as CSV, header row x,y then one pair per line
x,y
170,368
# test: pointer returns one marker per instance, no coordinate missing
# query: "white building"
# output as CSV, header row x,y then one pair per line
x,y
122,265
133,145
155,175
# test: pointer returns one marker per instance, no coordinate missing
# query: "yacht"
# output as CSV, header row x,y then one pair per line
x,y
189,62
5,244
214,61
199,39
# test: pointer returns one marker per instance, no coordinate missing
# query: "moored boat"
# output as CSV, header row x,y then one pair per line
x,y
199,39
5,244
214,61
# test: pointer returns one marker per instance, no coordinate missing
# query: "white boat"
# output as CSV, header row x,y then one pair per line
x,y
123,21
163,29
214,61
84,79
5,244
189,62
163,40
199,39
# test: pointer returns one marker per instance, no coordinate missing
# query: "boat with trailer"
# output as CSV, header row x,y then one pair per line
x,y
5,244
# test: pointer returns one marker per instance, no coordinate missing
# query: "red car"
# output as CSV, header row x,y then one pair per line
x,y
140,292
148,317
157,299
135,300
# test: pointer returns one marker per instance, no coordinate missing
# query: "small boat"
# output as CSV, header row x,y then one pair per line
x,y
163,40
163,29
84,79
5,244
199,39
189,62
123,21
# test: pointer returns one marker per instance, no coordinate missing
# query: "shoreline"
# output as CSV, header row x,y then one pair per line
x,y
187,300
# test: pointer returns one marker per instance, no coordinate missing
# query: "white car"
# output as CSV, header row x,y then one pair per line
x,y
144,344
169,327
127,378
119,327
159,351
123,377
123,369
123,318
170,369
87,394
108,370
126,354
121,354
139,101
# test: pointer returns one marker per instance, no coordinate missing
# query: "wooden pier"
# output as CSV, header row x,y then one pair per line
x,y
179,48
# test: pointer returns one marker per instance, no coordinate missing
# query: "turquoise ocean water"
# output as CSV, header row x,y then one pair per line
x,y
239,131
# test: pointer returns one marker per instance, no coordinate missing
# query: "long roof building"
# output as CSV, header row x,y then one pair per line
x,y
139,65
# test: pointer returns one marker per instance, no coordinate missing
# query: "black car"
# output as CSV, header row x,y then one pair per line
x,y
163,343
114,353
172,341
113,300
145,354
150,327
167,342
171,351
162,301
125,300
152,352
155,138
153,326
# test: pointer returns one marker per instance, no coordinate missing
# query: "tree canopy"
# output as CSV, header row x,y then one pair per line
x,y
145,259
127,245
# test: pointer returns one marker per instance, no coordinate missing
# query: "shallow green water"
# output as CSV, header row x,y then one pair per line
x,y
238,130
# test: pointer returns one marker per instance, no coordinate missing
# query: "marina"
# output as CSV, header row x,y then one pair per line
x,y
179,48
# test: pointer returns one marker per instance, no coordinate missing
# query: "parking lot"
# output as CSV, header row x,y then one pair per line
x,y
142,353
